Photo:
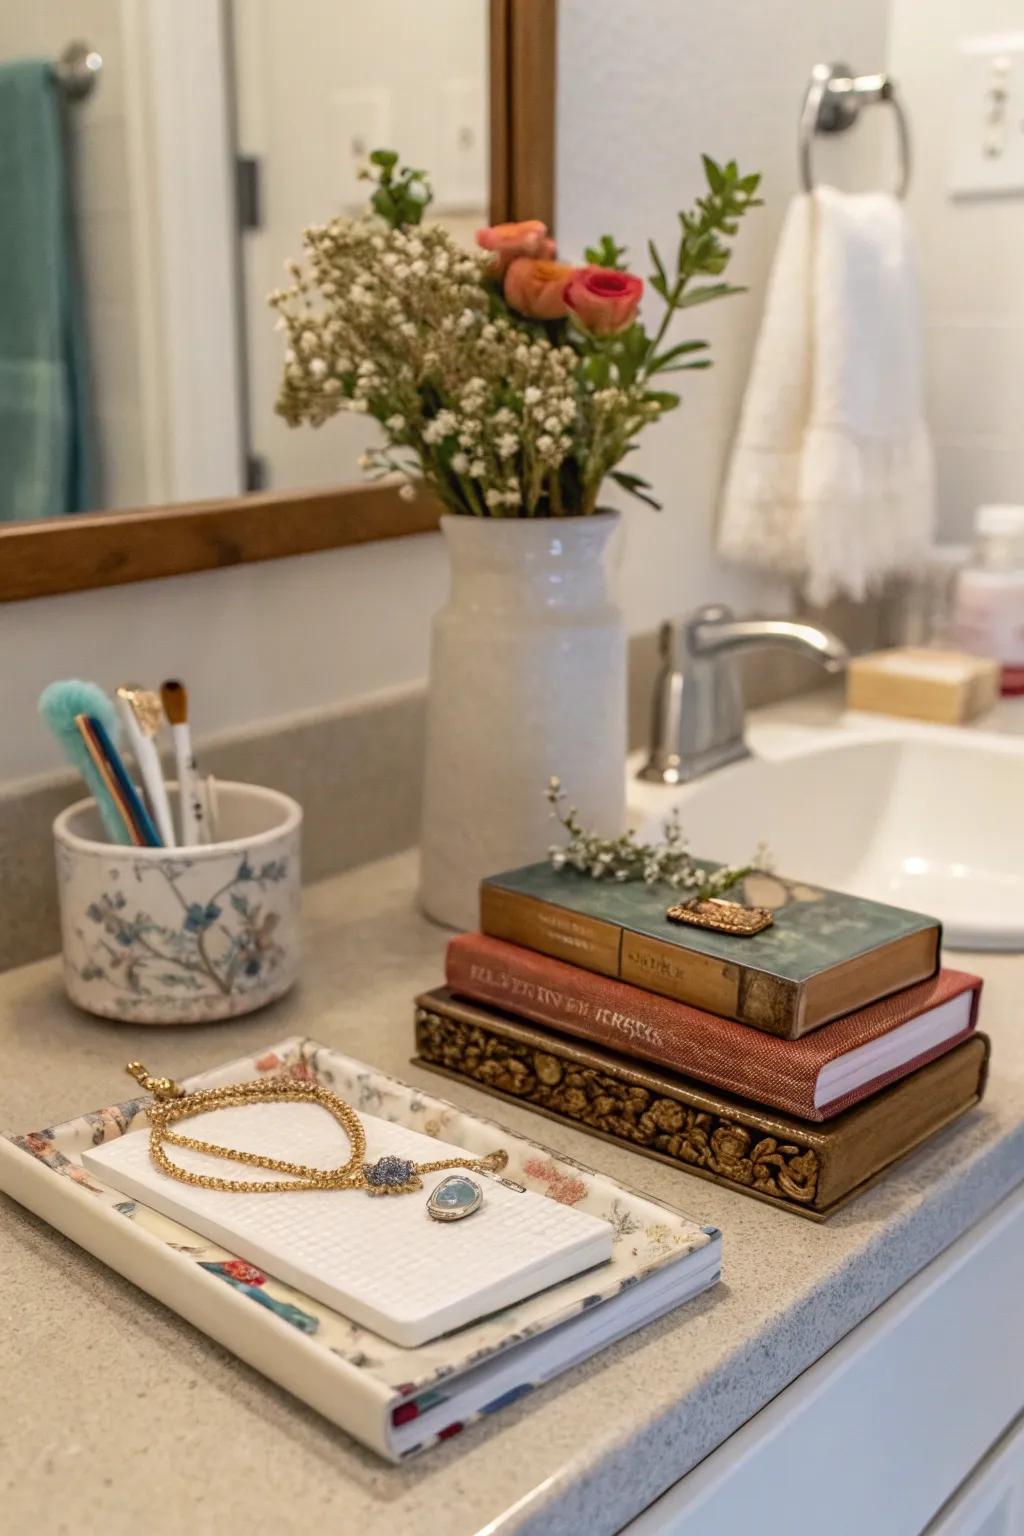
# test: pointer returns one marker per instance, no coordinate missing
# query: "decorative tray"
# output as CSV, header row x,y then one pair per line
x,y
396,1400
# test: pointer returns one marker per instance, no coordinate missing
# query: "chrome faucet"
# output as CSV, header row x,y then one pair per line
x,y
697,718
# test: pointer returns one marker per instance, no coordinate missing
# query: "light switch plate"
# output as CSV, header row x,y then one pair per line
x,y
988,116
461,168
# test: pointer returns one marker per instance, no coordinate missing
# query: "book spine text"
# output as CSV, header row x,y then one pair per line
x,y
730,989
623,1018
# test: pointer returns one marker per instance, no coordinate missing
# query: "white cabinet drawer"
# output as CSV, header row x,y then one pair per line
x,y
991,1502
881,1431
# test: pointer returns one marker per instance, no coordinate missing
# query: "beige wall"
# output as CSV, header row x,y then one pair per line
x,y
972,261
643,90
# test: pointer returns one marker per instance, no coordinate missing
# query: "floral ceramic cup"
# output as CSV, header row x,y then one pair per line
x,y
185,935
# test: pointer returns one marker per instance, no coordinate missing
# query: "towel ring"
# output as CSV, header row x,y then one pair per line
x,y
833,103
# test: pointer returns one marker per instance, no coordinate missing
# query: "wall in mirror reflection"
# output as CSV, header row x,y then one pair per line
x,y
138,360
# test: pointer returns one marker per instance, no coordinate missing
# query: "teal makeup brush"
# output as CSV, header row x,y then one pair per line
x,y
60,706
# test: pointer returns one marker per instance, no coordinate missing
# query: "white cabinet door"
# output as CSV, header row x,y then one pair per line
x,y
879,1434
991,1502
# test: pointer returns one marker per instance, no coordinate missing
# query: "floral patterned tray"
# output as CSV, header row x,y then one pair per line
x,y
377,1390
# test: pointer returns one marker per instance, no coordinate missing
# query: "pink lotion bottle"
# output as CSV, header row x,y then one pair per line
x,y
989,606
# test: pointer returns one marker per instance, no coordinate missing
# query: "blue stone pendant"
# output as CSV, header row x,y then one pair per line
x,y
454,1198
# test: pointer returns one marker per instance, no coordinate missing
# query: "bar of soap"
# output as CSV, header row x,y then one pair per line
x,y
948,687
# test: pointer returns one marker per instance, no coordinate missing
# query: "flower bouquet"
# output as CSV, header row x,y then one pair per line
x,y
512,385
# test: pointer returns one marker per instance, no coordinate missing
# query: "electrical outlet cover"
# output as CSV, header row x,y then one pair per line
x,y
988,117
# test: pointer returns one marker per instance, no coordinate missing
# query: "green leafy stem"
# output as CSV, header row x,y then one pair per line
x,y
635,357
401,194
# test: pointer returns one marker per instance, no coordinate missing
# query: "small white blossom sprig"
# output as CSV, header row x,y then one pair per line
x,y
623,859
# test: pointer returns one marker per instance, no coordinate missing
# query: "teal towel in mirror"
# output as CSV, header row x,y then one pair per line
x,y
46,457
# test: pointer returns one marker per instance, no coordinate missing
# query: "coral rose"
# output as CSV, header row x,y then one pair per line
x,y
529,237
537,288
603,300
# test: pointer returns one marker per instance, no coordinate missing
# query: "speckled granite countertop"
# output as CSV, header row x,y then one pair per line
x,y
116,1416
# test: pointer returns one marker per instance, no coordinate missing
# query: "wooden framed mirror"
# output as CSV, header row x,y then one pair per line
x,y
186,51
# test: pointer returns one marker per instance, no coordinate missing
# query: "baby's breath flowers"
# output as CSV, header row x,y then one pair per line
x,y
499,412
623,859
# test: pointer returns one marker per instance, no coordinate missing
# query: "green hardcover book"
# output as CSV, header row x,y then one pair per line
x,y
824,955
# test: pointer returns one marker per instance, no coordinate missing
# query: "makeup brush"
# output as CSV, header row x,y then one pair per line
x,y
60,705
141,712
107,762
174,696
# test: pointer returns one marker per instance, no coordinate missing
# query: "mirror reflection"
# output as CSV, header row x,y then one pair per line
x,y
158,165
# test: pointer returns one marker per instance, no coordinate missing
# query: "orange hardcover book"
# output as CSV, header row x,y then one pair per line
x,y
815,1077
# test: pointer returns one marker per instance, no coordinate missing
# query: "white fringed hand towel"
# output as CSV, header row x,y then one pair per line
x,y
831,476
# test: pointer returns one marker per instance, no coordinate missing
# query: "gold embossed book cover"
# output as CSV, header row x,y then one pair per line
x,y
825,953
802,1166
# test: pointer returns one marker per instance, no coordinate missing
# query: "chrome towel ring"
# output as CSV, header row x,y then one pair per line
x,y
833,103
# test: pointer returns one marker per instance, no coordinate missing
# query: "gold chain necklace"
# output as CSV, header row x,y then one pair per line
x,y
389,1175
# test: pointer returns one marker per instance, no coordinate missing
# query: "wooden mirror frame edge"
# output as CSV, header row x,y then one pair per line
x,y
104,549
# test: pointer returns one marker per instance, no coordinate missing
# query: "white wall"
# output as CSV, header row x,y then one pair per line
x,y
972,260
251,643
103,214
642,90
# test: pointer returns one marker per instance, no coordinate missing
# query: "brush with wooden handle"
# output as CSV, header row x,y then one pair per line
x,y
174,697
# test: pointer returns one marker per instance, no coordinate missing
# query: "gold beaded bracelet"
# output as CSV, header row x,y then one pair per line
x,y
389,1175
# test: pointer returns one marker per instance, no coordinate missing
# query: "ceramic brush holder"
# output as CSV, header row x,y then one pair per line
x,y
182,935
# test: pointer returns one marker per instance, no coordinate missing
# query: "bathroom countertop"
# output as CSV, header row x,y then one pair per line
x,y
117,1415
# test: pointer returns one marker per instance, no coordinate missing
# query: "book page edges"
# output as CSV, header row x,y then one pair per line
x,y
867,978
888,1126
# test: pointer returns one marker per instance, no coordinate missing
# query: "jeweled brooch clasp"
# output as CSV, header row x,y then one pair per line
x,y
391,1175
722,917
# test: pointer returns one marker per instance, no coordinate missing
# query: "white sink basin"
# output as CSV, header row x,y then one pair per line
x,y
924,817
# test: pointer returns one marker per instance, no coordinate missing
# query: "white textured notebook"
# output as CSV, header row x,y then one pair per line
x,y
383,1262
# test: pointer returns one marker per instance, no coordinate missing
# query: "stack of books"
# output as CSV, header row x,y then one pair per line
x,y
795,1064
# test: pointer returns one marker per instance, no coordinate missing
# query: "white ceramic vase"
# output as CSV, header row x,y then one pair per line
x,y
527,681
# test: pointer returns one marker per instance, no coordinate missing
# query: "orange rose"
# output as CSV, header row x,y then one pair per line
x,y
527,238
603,300
537,288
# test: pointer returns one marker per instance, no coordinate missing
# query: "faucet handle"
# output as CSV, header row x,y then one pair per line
x,y
712,613
675,635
